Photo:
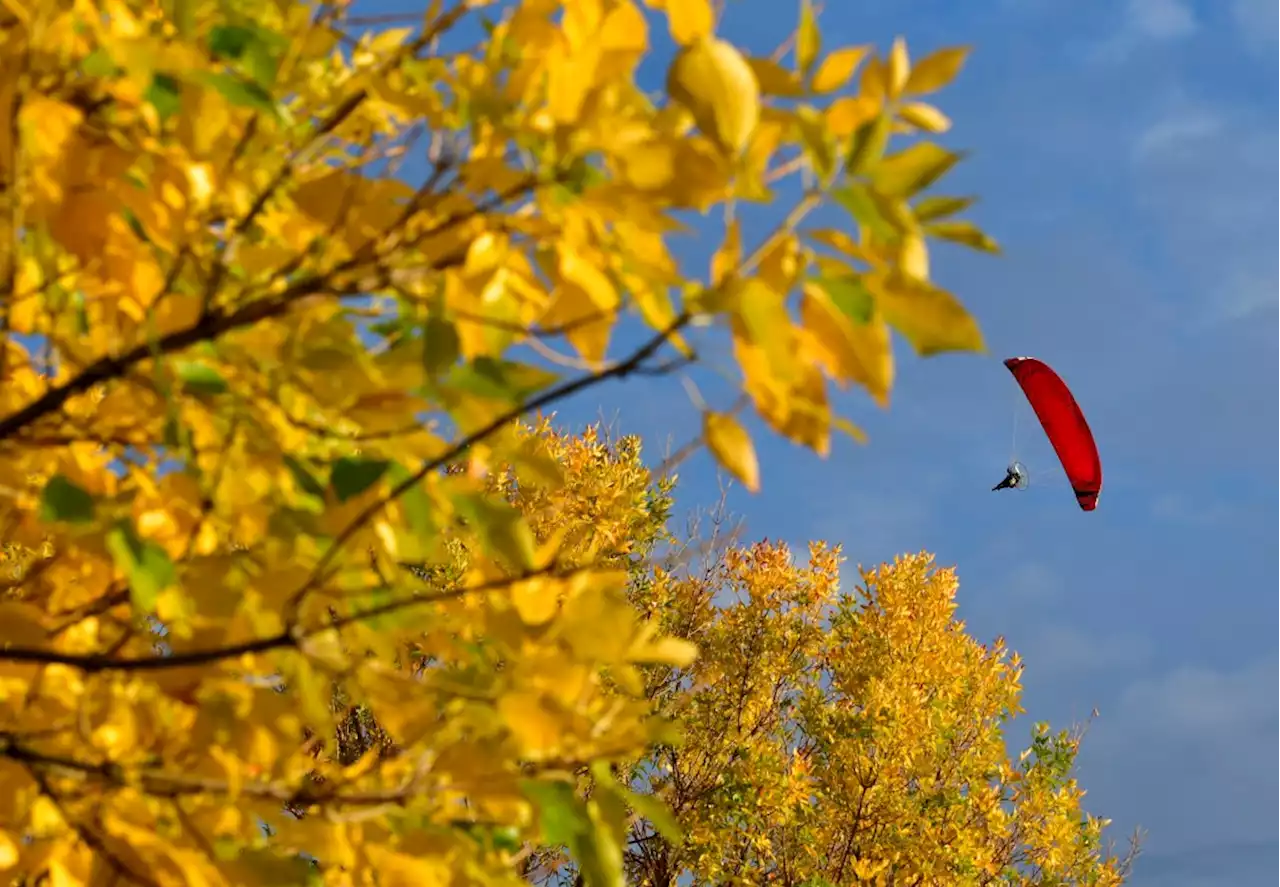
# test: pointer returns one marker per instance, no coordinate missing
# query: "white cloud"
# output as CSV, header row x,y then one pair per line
x,y
1147,22
1258,21
1204,739
1161,19
1175,134
1203,172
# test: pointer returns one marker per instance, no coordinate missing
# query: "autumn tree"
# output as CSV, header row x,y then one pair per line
x,y
274,289
839,735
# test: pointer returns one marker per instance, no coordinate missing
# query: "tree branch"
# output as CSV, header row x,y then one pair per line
x,y
616,371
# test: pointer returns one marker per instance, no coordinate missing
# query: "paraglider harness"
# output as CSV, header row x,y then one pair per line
x,y
1015,478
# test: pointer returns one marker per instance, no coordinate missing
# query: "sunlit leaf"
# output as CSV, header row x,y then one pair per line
x,y
730,443
936,70
715,83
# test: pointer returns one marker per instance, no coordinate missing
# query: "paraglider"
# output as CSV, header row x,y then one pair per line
x,y
1065,426
1015,478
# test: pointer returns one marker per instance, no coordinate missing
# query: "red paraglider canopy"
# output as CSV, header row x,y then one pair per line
x,y
1065,426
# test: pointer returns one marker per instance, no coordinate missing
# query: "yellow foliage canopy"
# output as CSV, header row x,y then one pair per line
x,y
850,736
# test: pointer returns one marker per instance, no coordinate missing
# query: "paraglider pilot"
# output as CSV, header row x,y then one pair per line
x,y
1015,478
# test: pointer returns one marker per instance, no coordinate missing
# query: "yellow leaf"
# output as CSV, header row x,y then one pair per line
x,y
534,726
808,37
9,850
873,83
690,20
807,420
913,256
780,264
597,622
837,68
898,68
849,349
936,70
762,314
726,259
775,79
586,326
963,232
649,166
577,270
931,319
730,443
624,30
535,601
714,82
924,116
914,169
845,115
671,651
844,425
21,620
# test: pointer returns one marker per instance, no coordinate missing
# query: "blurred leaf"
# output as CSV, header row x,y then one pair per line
x,y
714,82
936,70
65,501
200,378
502,530
351,476
808,38
146,566
730,443
913,169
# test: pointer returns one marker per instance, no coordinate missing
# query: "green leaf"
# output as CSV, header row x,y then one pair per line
x,y
440,346
183,16
65,501
230,41
244,93
930,208
561,814
912,170
257,48
502,529
848,293
145,564
965,233
503,380
303,477
135,224
659,815
165,94
818,145
868,145
99,63
858,202
352,476
600,855
200,378
414,502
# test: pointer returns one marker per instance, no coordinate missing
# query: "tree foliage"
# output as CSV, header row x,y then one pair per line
x,y
272,294
845,736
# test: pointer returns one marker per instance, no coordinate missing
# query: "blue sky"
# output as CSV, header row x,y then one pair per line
x,y
1123,150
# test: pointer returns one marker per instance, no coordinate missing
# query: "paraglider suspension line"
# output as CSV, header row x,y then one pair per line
x,y
1013,441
